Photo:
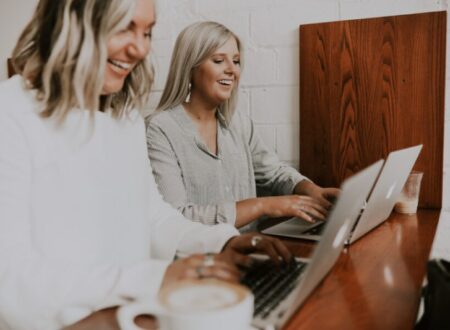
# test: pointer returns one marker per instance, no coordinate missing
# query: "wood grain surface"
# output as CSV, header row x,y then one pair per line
x,y
371,86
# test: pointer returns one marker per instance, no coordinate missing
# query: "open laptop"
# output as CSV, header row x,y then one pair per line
x,y
375,211
277,300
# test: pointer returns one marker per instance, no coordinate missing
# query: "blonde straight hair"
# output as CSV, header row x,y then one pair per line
x,y
62,53
194,45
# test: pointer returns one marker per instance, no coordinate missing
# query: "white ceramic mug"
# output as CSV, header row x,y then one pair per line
x,y
194,305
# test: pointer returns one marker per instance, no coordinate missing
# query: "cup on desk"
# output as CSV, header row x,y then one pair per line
x,y
194,305
409,196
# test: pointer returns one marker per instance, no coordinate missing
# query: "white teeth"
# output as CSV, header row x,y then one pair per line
x,y
225,82
120,64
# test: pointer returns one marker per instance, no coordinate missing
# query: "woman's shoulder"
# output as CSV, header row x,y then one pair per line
x,y
161,118
168,122
15,97
240,121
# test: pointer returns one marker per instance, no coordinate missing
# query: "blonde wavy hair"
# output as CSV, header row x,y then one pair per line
x,y
194,45
62,53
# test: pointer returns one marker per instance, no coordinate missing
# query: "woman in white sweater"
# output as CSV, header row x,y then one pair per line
x,y
82,225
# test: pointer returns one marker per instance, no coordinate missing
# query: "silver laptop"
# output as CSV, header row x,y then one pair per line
x,y
354,192
375,211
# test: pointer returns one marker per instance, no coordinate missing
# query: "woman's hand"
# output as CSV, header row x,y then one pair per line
x,y
324,196
237,248
303,207
201,266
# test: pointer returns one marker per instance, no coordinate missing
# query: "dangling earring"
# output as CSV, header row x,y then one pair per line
x,y
188,97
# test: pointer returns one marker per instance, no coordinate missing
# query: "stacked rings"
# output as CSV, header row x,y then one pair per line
x,y
208,261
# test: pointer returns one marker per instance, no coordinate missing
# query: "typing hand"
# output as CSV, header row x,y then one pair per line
x,y
324,196
236,250
303,207
201,266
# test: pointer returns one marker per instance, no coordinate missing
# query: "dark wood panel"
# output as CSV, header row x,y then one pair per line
x,y
371,86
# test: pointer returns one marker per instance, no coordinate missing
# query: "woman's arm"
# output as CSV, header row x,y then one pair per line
x,y
38,291
303,207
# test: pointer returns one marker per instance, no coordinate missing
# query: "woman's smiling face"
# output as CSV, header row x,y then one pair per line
x,y
129,46
214,79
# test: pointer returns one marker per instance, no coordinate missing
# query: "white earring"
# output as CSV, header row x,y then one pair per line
x,y
188,97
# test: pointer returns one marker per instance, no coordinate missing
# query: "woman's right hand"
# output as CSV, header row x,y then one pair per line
x,y
201,266
303,207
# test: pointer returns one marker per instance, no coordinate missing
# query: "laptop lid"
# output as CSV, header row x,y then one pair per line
x,y
387,188
340,221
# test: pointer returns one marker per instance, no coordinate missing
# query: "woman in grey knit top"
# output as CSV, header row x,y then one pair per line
x,y
208,159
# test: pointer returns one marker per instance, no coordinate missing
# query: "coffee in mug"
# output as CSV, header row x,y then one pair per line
x,y
194,305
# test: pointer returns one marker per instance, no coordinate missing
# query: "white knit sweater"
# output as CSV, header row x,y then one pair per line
x,y
82,225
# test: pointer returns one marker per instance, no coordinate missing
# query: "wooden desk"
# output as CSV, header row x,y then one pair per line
x,y
375,283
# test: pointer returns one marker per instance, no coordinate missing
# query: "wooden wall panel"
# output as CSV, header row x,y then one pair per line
x,y
371,86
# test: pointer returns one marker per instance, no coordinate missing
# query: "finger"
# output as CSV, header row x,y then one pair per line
x,y
222,273
228,266
304,216
282,250
332,193
236,258
319,204
194,260
314,212
244,243
188,273
267,247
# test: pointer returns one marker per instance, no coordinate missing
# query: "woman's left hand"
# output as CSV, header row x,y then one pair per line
x,y
325,196
237,248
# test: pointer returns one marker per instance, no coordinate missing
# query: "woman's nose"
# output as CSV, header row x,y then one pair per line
x,y
231,68
139,47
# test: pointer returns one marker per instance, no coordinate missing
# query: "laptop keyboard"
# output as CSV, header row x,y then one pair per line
x,y
270,283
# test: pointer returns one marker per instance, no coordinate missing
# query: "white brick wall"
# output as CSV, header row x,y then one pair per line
x,y
269,30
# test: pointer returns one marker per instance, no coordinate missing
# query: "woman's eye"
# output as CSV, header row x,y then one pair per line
x,y
148,35
237,62
218,61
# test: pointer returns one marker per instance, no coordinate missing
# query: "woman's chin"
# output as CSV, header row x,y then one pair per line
x,y
112,87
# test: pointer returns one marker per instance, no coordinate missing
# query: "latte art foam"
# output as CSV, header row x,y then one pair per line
x,y
192,297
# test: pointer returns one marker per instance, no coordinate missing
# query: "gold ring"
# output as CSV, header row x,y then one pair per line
x,y
255,240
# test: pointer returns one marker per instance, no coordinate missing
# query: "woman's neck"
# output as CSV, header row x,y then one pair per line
x,y
200,112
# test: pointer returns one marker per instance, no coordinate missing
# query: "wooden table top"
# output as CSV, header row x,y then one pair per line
x,y
375,283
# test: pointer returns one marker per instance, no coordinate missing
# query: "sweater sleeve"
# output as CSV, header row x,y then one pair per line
x,y
38,292
186,237
270,173
169,178
42,292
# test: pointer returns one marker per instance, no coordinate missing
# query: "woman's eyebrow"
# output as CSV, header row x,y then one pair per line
x,y
149,26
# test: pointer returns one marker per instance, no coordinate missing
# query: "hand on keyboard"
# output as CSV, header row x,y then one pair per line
x,y
236,250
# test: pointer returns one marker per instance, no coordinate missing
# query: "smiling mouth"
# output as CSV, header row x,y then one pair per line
x,y
121,65
226,82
